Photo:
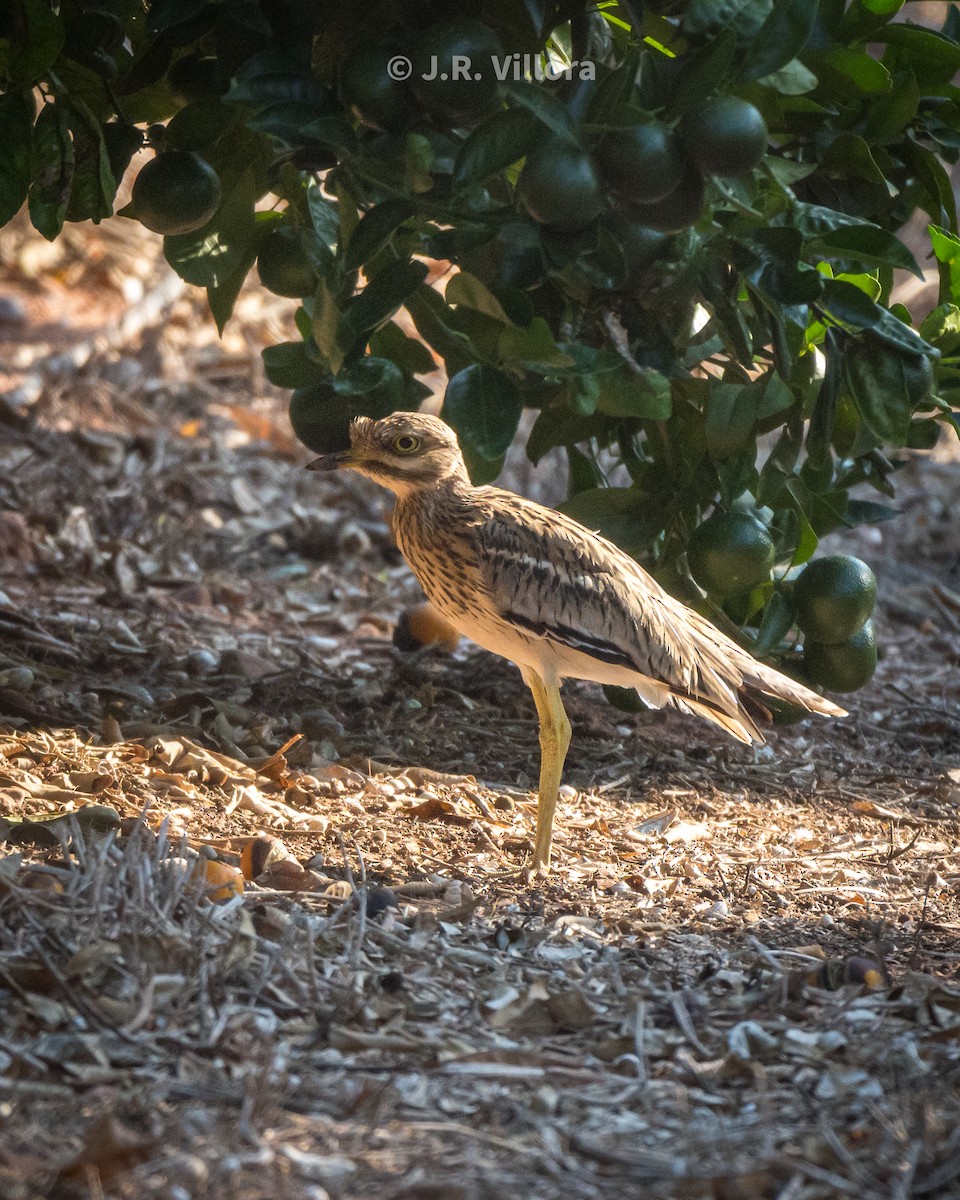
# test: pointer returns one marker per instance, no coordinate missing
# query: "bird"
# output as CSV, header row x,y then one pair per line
x,y
557,599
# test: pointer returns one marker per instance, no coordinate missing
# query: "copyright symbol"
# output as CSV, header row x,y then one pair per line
x,y
399,67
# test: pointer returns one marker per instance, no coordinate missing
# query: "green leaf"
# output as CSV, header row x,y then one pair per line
x,y
778,618
866,244
410,354
877,379
215,253
730,419
466,290
94,185
165,14
40,43
222,296
929,46
51,169
433,320
849,157
702,72
326,326
781,38
942,328
780,464
533,348
614,88
483,405
375,387
891,114
279,86
288,365
323,214
383,295
375,230
853,309
626,516
500,141
814,220
481,470
793,79
822,419
946,248
883,8
848,75
198,126
937,198
644,394
16,135
540,104
708,18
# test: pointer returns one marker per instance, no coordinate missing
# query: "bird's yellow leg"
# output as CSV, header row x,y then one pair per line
x,y
554,741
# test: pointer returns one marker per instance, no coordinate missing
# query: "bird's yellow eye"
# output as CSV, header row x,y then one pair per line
x,y
406,443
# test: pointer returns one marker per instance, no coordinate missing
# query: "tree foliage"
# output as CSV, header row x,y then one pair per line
x,y
731,344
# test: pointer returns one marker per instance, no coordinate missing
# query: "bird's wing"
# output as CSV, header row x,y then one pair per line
x,y
549,575
552,577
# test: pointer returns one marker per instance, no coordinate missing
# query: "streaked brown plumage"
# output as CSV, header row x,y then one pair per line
x,y
560,601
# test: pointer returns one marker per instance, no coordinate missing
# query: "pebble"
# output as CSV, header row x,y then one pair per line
x,y
200,662
319,1168
17,679
187,1171
11,310
250,666
379,899
28,393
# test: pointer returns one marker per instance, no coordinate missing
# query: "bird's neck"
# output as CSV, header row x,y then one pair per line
x,y
452,487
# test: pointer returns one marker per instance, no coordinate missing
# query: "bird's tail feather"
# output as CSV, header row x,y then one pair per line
x,y
758,678
738,724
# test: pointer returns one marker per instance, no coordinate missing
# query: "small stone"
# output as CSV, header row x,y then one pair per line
x,y
197,594
319,1168
250,666
11,311
17,679
200,662
379,899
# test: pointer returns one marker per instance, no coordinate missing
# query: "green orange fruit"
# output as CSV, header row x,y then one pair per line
x,y
559,187
452,69
846,667
679,209
727,136
177,192
644,163
834,597
283,266
369,89
730,554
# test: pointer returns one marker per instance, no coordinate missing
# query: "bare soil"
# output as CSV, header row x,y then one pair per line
x,y
739,981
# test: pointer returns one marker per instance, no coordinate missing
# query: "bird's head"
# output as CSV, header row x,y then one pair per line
x,y
404,452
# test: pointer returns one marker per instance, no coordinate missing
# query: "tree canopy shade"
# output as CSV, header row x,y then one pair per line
x,y
672,228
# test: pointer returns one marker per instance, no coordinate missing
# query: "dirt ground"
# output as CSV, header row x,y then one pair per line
x,y
741,980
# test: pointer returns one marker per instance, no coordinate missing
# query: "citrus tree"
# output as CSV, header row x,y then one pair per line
x,y
671,229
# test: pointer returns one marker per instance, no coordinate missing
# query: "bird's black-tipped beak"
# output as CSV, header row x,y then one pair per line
x,y
331,462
